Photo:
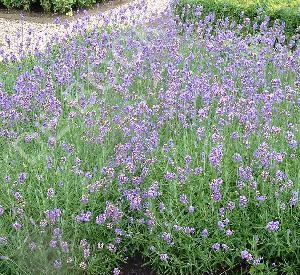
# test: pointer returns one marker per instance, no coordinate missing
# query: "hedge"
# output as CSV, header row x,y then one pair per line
x,y
283,10
48,5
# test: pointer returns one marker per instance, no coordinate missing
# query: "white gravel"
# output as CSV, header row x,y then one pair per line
x,y
19,37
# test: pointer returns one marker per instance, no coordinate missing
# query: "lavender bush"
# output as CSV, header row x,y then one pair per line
x,y
240,10
182,147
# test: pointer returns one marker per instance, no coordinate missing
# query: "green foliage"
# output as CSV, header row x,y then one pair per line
x,y
25,4
287,11
49,5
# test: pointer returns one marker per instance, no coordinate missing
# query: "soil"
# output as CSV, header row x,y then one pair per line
x,y
135,266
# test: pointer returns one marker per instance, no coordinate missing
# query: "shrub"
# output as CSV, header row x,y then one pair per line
x,y
284,10
25,4
49,5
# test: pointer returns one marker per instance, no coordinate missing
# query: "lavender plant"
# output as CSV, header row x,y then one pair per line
x,y
184,148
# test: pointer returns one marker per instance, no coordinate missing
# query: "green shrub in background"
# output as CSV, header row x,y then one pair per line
x,y
284,10
17,3
49,5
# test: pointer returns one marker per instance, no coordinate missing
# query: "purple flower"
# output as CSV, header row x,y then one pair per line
x,y
50,193
57,264
257,261
188,160
111,247
18,196
183,199
164,257
56,232
261,198
215,184
200,133
204,233
221,225
189,230
53,243
84,243
116,271
64,246
246,255
86,253
177,227
167,238
216,196
84,199
245,173
294,199
134,198
280,175
191,209
17,226
51,142
216,155
235,135
231,205
222,211
53,215
229,232
237,157
88,175
243,201
272,226
170,176
100,219
198,171
22,177
1,210
162,207
153,190
135,202
118,231
83,217
216,246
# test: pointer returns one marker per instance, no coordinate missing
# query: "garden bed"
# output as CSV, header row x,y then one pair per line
x,y
179,145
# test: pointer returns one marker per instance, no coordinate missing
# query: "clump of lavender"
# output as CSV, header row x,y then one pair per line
x,y
176,140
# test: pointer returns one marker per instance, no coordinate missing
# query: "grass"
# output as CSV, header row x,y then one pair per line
x,y
184,148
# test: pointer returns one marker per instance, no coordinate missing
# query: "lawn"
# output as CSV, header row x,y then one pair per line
x,y
182,147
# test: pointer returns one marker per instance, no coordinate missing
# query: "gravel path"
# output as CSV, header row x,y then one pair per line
x,y
19,36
